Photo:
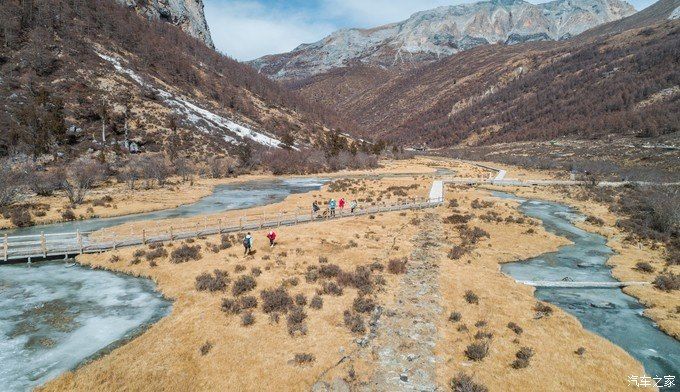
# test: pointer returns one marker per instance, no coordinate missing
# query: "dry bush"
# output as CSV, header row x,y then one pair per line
x,y
276,300
205,348
323,260
580,351
363,304
185,253
667,281
300,299
302,359
515,328
480,323
227,241
114,259
331,288
595,220
256,271
139,253
483,335
68,215
457,252
543,309
212,283
230,306
455,317
20,217
453,203
312,274
247,319
248,302
329,270
522,358
295,320
354,322
477,351
462,328
457,219
491,216
472,236
239,268
471,297
477,204
316,302
464,383
397,266
360,279
243,284
376,266
644,266
156,253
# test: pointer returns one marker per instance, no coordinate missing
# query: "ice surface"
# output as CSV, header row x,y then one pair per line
x,y
53,317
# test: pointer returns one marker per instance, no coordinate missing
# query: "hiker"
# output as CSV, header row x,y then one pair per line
x,y
272,238
331,206
341,203
353,206
315,208
248,244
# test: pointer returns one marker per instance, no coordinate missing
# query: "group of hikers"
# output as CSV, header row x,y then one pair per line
x,y
333,205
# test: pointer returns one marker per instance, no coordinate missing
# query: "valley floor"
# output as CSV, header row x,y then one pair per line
x,y
408,339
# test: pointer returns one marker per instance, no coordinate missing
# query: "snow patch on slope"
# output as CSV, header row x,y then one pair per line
x,y
202,119
675,14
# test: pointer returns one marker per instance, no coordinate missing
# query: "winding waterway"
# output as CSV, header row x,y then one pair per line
x,y
55,316
608,312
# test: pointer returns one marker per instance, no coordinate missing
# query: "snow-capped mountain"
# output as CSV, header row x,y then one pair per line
x,y
437,33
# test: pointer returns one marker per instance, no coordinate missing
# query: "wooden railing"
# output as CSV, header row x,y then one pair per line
x,y
65,244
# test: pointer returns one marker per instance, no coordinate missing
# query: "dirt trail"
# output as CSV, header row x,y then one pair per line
x,y
406,333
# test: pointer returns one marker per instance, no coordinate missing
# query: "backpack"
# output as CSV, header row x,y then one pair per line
x,y
246,242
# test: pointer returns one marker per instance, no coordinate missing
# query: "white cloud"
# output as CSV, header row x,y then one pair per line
x,y
247,30
377,12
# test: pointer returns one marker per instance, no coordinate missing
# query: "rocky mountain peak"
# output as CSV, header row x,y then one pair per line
x,y
187,14
430,35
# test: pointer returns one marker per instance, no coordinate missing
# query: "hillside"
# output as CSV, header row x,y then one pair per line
x,y
95,76
589,86
431,35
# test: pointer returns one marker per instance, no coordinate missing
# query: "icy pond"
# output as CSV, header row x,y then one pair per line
x,y
608,312
55,316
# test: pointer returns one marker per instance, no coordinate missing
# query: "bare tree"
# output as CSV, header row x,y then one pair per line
x,y
155,168
80,177
44,183
185,169
10,184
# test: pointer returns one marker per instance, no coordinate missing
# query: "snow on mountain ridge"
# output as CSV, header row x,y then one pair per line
x,y
429,35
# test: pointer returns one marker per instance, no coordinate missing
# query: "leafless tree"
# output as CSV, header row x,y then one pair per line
x,y
44,183
155,168
80,178
10,184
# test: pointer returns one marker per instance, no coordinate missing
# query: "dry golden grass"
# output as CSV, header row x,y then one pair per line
x,y
258,357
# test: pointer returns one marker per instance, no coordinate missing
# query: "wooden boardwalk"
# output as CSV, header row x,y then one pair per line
x,y
34,247
580,285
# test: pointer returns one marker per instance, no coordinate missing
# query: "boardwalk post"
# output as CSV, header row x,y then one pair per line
x,y
240,224
79,238
198,229
296,215
6,248
219,226
43,244
144,236
280,217
172,237
262,220
115,244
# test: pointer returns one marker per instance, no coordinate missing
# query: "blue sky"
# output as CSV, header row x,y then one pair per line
x,y
247,29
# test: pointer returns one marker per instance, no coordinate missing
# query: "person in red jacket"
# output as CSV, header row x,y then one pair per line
x,y
341,203
272,237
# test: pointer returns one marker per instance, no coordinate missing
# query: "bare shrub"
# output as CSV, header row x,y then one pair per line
x,y
114,259
80,177
302,359
644,266
185,253
247,319
248,302
205,348
156,253
457,219
477,351
68,215
312,274
397,266
354,322
10,183
471,297
295,320
474,235
363,304
276,300
230,306
457,252
522,358
243,284
580,351
455,317
44,183
256,271
331,288
20,217
329,270
515,328
595,220
212,282
316,302
464,383
483,335
543,309
300,299
667,281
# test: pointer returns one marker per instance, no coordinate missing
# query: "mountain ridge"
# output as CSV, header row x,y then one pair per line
x,y
433,34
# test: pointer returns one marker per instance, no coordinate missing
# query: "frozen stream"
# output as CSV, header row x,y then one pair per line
x,y
54,317
608,312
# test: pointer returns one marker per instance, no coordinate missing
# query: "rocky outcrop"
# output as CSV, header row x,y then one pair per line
x,y
430,35
186,14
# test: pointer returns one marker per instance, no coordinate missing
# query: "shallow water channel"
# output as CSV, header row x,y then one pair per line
x,y
609,312
55,316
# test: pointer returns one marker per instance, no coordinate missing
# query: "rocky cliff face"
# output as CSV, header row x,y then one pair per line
x,y
187,14
437,33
